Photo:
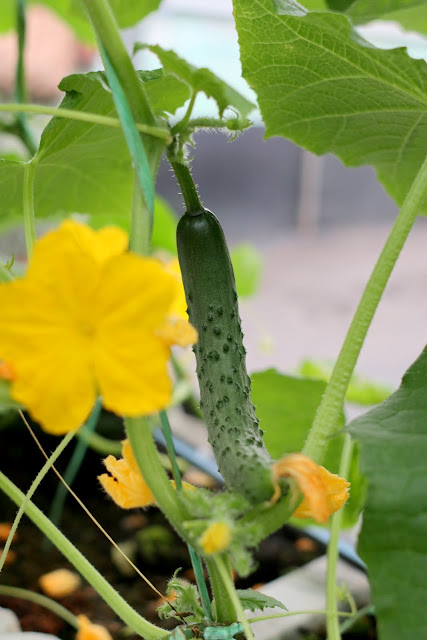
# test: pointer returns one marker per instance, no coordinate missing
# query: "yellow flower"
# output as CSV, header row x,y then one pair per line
x,y
89,631
6,371
178,330
87,319
216,538
323,492
126,485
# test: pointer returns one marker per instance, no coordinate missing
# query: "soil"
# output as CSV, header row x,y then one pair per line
x,y
159,554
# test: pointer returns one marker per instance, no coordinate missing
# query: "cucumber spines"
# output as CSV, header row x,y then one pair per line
x,y
233,428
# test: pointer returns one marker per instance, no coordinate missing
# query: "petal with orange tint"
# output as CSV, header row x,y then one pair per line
x,y
6,371
177,331
126,485
323,492
89,631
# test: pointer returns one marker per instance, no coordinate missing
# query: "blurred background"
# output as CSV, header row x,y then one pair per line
x,y
317,226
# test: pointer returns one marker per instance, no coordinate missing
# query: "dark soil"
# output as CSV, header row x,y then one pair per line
x,y
21,460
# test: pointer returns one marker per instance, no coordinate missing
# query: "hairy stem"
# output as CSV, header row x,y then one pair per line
x,y
84,116
327,417
225,610
332,616
186,182
88,571
42,601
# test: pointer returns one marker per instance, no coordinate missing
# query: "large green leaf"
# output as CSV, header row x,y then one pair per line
x,y
82,167
247,266
412,14
201,80
127,13
286,407
321,85
393,540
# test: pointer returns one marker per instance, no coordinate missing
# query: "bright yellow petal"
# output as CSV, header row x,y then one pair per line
x,y
76,237
126,485
179,306
89,631
323,492
177,331
216,538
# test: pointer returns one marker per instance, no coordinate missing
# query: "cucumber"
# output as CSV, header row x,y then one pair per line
x,y
225,398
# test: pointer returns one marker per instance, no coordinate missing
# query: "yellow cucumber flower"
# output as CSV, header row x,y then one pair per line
x,y
89,631
216,538
88,319
323,492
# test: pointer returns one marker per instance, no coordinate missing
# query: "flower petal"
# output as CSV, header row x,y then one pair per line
x,y
89,631
324,492
177,331
216,538
126,485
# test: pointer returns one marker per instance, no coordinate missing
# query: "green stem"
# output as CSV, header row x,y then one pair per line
x,y
342,614
28,207
327,417
195,558
147,457
227,580
76,460
270,518
186,182
88,571
94,118
141,222
107,32
180,126
369,609
35,483
225,611
100,444
332,622
20,85
42,601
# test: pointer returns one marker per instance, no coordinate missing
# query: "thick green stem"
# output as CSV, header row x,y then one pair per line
x,y
225,611
225,573
332,616
186,182
84,116
327,418
42,601
107,32
28,207
98,582
145,451
270,518
35,483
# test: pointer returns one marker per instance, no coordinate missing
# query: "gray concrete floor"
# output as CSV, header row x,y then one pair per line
x,y
309,292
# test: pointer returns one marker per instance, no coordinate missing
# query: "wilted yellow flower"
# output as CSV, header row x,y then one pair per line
x,y
216,538
323,492
126,485
59,583
88,319
89,631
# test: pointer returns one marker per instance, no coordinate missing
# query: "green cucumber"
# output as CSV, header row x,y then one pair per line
x,y
225,399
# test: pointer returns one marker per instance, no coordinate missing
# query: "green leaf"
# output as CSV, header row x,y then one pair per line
x,y
328,90
247,265
127,14
252,600
201,80
393,540
80,167
412,14
360,391
164,231
286,407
